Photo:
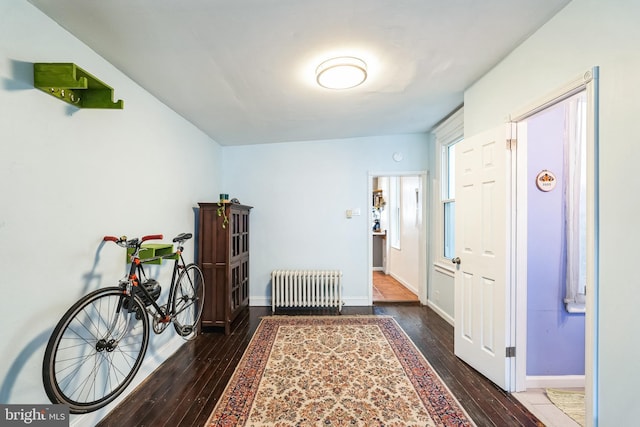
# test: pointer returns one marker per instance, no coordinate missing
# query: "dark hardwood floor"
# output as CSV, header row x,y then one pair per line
x,y
184,390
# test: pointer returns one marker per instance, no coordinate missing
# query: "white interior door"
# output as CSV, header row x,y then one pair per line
x,y
482,236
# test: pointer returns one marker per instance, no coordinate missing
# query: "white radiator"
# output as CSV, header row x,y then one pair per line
x,y
306,288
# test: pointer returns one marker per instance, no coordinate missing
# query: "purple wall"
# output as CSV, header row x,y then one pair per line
x,y
555,338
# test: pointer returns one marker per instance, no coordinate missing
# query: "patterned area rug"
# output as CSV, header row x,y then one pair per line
x,y
335,371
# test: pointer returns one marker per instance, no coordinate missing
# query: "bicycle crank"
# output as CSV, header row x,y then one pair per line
x,y
160,323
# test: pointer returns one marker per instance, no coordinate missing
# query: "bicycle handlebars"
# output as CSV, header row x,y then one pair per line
x,y
123,239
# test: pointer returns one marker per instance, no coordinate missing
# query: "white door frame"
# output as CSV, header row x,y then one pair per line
x,y
587,82
422,239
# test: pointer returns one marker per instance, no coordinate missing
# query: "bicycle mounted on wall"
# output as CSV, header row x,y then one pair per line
x,y
99,344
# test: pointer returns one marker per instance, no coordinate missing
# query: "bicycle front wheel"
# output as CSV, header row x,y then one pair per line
x,y
95,350
187,301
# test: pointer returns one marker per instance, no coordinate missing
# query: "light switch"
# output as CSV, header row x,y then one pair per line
x,y
349,213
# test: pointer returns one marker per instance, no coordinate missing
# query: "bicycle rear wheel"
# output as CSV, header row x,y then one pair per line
x,y
95,350
187,301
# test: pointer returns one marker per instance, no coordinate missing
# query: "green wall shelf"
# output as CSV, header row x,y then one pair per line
x,y
150,250
72,84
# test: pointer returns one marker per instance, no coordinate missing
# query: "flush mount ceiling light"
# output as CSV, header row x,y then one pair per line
x,y
343,72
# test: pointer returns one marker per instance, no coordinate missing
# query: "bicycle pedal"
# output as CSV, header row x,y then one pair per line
x,y
185,331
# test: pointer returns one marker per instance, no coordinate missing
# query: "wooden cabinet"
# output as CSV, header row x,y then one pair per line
x,y
223,256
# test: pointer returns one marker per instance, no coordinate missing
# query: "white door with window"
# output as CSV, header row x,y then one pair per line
x,y
482,252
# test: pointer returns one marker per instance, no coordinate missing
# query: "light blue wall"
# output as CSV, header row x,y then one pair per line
x,y
584,34
550,329
300,192
67,178
442,293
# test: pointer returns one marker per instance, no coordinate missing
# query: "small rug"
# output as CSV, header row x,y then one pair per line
x,y
569,402
335,371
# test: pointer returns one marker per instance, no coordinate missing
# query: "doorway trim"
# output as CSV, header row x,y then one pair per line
x,y
588,82
422,238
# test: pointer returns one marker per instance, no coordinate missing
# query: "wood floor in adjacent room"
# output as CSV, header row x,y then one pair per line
x,y
184,389
386,289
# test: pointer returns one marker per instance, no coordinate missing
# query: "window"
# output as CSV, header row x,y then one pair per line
x,y
446,134
449,199
575,198
394,209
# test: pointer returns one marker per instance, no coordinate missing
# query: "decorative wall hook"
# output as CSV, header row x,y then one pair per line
x,y
72,84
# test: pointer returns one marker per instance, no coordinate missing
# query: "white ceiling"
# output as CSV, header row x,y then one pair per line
x,y
243,71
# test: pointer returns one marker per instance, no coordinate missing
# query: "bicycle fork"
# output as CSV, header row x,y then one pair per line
x,y
110,342
126,306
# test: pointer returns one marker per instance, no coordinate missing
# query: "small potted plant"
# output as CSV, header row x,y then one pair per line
x,y
222,211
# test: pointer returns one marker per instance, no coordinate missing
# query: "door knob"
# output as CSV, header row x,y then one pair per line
x,y
456,260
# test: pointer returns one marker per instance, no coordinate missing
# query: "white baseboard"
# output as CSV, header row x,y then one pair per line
x,y
259,302
150,364
356,301
352,302
450,320
555,381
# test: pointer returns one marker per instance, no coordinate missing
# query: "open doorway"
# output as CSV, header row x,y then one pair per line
x,y
576,311
554,140
556,204
502,291
397,229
